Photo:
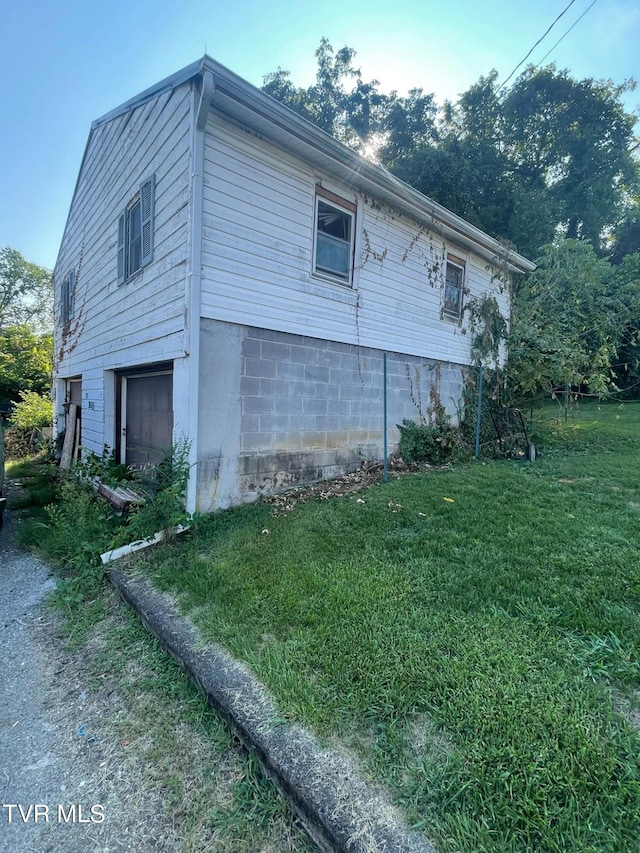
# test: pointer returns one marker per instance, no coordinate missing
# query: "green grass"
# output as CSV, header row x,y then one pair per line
x,y
466,629
36,476
213,795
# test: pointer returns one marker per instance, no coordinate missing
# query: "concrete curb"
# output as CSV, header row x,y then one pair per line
x,y
340,811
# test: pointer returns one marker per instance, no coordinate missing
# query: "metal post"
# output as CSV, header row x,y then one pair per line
x,y
385,475
479,414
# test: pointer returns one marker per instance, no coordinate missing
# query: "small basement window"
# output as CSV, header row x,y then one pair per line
x,y
453,284
135,232
334,231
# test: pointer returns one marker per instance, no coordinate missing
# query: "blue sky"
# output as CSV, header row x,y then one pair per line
x,y
64,63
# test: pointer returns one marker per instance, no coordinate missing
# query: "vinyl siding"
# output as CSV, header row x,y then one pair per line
x,y
142,320
257,257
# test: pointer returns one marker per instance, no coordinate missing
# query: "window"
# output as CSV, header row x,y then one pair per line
x,y
67,298
334,230
135,232
453,283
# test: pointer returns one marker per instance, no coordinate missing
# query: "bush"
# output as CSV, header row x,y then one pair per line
x,y
433,443
32,412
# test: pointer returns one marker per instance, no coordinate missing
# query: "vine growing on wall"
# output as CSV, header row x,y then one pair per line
x,y
72,327
488,329
487,325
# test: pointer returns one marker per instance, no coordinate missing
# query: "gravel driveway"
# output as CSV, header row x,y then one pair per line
x,y
97,756
53,772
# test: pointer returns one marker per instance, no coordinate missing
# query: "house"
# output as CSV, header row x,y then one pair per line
x,y
232,275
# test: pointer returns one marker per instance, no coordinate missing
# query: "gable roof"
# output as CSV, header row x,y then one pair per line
x,y
244,103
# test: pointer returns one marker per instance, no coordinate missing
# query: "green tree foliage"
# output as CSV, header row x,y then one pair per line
x,y
626,235
571,317
34,411
26,293
571,139
26,362
627,364
339,102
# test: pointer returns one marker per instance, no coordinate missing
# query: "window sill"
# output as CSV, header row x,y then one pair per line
x,y
330,288
131,278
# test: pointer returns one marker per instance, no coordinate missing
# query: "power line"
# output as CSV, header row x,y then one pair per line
x,y
566,9
567,33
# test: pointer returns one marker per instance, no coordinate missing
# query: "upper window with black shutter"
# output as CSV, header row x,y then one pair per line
x,y
67,298
135,231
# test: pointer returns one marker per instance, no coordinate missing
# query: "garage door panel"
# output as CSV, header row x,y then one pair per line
x,y
149,418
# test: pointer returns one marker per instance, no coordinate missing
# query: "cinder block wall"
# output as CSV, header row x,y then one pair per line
x,y
313,409
305,409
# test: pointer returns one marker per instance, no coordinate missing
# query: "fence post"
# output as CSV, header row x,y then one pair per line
x,y
479,413
385,475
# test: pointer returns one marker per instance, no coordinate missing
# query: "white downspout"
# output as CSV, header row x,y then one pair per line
x,y
194,278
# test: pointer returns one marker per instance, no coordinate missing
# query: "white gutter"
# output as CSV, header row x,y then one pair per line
x,y
194,279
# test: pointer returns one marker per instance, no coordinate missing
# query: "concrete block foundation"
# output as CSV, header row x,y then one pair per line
x,y
277,410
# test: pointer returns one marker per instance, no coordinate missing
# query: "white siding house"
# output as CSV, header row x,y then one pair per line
x,y
232,275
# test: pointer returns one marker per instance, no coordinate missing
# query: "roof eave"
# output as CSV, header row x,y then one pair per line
x,y
304,137
166,85
232,88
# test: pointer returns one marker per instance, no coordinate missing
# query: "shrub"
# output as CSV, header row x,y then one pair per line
x,y
104,467
433,443
166,490
33,411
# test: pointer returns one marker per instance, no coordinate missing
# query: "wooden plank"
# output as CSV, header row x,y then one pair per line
x,y
69,437
120,498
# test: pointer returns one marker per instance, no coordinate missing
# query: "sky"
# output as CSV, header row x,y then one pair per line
x,y
64,63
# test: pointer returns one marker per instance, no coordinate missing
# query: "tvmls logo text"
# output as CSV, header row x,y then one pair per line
x,y
41,813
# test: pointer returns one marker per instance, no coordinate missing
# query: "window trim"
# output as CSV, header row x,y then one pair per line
x,y
144,198
343,206
460,264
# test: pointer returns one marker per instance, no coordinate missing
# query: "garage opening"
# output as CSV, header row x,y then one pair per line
x,y
144,415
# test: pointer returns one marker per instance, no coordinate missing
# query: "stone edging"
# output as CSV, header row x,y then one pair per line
x,y
341,812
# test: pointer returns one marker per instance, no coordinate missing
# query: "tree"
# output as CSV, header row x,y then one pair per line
x,y
626,235
571,138
26,293
570,318
34,411
627,367
339,102
26,362
550,155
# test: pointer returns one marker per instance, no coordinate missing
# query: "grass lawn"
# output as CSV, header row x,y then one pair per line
x,y
473,632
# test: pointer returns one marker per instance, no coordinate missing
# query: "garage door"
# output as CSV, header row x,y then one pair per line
x,y
147,428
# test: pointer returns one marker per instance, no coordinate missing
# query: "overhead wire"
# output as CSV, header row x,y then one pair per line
x,y
522,61
567,33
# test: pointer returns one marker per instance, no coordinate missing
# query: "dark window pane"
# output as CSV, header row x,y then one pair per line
x,y
333,241
453,291
135,238
333,221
